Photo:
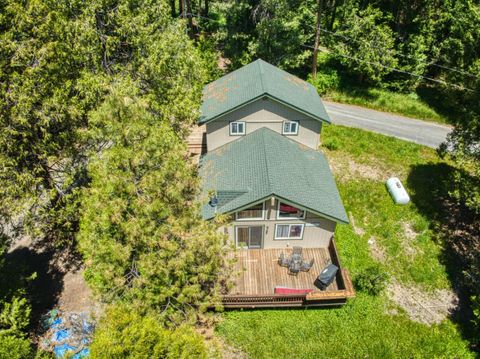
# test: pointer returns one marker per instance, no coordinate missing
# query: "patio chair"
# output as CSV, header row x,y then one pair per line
x,y
305,267
282,261
294,268
297,250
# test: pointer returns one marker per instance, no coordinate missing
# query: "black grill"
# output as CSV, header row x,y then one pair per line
x,y
326,277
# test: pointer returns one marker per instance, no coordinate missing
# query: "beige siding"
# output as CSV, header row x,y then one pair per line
x,y
316,234
263,113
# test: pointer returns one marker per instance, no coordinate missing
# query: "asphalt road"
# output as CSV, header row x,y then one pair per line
x,y
425,133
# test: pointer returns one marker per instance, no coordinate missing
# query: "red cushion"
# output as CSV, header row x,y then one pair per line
x,y
282,290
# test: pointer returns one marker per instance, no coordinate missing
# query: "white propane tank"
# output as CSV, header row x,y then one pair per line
x,y
397,191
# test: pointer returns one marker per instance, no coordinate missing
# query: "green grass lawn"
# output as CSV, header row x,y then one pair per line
x,y
409,105
410,253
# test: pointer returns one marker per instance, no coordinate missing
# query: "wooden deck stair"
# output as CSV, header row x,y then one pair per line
x,y
197,141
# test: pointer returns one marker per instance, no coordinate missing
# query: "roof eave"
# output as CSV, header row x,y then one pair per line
x,y
321,214
266,94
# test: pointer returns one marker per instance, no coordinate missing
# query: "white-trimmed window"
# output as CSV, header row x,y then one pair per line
x,y
290,128
255,212
237,128
286,211
289,231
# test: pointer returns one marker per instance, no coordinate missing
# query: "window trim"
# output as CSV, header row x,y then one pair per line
x,y
289,218
290,133
289,238
237,134
251,219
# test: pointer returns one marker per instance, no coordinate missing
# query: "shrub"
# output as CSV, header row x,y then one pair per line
x,y
327,79
476,315
125,333
14,347
331,143
371,280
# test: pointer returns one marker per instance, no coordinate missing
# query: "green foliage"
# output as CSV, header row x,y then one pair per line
x,y
57,62
327,78
371,280
373,44
125,333
476,314
15,315
278,34
14,311
142,235
331,143
14,347
357,330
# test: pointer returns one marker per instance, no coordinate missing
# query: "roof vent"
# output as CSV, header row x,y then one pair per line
x,y
213,201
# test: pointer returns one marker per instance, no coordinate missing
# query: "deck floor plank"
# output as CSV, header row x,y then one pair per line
x,y
259,272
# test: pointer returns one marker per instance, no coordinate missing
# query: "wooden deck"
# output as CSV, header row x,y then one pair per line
x,y
259,274
197,141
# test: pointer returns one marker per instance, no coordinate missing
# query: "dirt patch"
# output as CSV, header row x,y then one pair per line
x,y
410,233
76,296
217,346
357,230
346,169
421,306
377,252
408,243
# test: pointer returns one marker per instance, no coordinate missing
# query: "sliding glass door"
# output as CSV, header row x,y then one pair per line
x,y
249,236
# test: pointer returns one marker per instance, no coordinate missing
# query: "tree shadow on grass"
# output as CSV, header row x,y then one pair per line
x,y
38,270
438,100
45,285
456,229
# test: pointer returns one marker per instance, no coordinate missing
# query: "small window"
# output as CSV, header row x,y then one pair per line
x,y
288,231
254,212
290,128
286,211
237,128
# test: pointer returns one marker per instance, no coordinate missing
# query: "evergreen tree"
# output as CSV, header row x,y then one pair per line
x,y
142,234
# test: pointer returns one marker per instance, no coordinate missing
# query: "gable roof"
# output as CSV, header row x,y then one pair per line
x,y
263,164
257,80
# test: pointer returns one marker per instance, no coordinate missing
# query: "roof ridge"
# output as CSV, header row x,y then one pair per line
x,y
267,169
262,72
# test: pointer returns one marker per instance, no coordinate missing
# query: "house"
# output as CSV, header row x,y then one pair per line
x,y
262,166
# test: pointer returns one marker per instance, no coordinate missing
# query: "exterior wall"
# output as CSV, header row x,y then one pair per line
x,y
316,233
263,113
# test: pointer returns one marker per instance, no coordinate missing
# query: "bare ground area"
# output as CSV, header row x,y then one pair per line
x,y
346,168
218,346
59,282
377,252
421,306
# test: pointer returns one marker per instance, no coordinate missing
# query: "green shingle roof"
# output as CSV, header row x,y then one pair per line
x,y
264,164
254,81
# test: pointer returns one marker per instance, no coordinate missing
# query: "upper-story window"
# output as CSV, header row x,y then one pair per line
x,y
237,128
252,213
285,211
290,128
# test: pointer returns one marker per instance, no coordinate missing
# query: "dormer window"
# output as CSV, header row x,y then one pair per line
x,y
286,211
290,128
237,128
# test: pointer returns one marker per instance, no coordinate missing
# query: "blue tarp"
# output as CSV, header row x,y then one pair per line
x,y
56,323
84,353
62,350
61,335
70,334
